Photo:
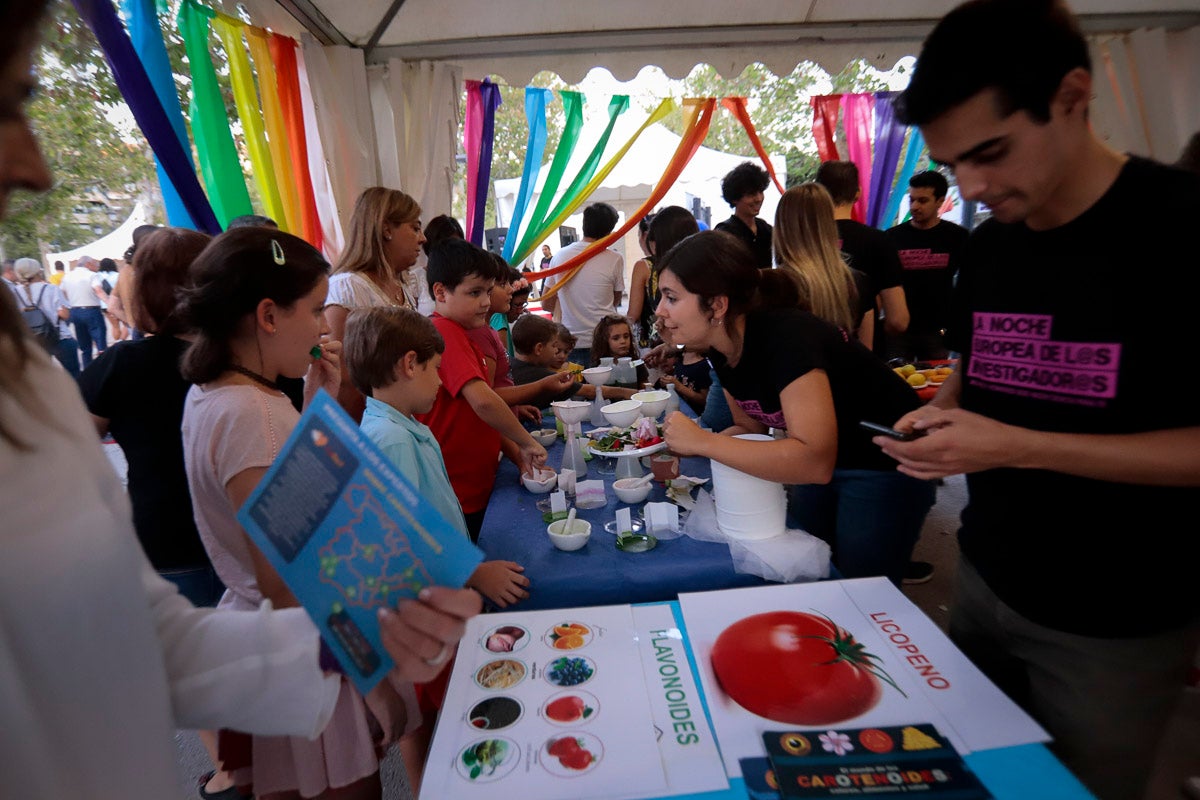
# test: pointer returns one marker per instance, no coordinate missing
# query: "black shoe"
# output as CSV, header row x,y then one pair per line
x,y
918,572
231,793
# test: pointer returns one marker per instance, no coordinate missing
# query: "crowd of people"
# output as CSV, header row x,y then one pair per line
x,y
154,608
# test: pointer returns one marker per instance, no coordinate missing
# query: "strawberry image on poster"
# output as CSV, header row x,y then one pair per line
x,y
570,708
797,668
571,754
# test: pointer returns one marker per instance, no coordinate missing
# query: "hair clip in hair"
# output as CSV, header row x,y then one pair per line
x,y
277,252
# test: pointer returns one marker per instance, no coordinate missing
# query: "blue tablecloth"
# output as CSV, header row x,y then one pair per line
x,y
599,573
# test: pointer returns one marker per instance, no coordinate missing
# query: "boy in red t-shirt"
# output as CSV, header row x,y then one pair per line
x,y
468,418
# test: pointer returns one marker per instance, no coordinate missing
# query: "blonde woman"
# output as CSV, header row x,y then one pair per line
x,y
806,247
374,270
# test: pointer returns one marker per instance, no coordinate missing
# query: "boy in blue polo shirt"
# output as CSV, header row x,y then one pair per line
x,y
393,355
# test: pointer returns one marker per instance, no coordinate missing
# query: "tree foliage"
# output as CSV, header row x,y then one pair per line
x,y
86,153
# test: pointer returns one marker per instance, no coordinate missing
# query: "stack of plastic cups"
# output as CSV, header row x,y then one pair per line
x,y
748,507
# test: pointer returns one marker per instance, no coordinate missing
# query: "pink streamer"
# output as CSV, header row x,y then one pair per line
x,y
859,110
472,144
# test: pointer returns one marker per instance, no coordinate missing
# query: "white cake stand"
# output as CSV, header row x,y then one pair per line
x,y
629,462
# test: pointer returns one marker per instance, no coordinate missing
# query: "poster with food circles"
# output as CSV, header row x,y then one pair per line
x,y
547,704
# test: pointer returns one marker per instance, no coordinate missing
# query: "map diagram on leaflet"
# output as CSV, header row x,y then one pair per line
x,y
366,573
350,535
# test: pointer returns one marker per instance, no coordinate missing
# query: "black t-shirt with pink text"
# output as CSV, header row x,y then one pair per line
x,y
1074,330
782,345
929,257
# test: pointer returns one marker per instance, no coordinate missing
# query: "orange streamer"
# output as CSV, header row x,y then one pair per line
x,y
287,78
737,106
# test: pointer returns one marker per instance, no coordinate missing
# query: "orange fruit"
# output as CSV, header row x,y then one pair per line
x,y
568,642
564,630
582,630
944,371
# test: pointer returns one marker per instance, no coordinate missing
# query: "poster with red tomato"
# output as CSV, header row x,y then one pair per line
x,y
853,653
552,704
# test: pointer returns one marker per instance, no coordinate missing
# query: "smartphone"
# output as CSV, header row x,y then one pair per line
x,y
876,428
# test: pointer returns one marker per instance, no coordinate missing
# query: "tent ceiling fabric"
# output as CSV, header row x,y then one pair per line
x,y
518,38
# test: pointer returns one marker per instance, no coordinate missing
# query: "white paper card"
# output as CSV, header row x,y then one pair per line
x,y
624,524
558,500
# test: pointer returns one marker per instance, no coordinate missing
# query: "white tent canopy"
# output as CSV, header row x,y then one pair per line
x,y
112,245
386,75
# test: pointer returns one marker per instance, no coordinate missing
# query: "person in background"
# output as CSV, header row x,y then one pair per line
x,y
118,303
1057,413
643,288
109,278
383,244
251,221
81,287
31,291
867,250
930,249
135,392
806,248
60,271
595,290
109,643
743,189
613,337
439,229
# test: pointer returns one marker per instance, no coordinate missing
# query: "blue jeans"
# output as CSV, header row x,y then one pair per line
x,y
717,415
872,519
200,585
88,322
68,355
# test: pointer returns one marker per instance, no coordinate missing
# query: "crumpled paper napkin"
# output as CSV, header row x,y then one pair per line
x,y
679,490
791,557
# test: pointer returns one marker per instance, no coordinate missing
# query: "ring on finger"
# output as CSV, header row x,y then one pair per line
x,y
440,658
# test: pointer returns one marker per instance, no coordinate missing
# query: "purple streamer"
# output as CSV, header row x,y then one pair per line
x,y
139,93
490,95
889,141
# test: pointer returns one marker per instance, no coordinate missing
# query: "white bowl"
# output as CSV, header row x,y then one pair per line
x,y
541,482
654,402
630,495
622,414
581,531
545,437
597,376
571,411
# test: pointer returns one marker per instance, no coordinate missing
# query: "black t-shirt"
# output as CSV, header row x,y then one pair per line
x,y
137,387
930,258
782,345
759,243
698,376
1069,330
870,250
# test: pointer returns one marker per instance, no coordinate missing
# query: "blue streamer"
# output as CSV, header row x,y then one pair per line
x,y
146,35
535,112
916,145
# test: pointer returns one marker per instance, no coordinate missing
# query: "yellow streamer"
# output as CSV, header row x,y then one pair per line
x,y
277,135
245,97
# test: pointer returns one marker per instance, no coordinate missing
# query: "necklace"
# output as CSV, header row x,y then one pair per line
x,y
254,376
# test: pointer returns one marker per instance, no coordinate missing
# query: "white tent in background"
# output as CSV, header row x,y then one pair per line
x,y
113,245
631,181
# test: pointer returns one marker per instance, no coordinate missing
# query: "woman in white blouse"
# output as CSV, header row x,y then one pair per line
x,y
375,269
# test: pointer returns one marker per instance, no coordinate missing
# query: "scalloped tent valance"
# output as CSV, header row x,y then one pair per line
x,y
519,38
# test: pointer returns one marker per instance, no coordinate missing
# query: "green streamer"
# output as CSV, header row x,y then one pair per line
x,y
572,198
219,163
573,109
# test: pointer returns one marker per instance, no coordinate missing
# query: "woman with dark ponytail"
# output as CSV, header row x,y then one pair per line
x,y
786,369
256,306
